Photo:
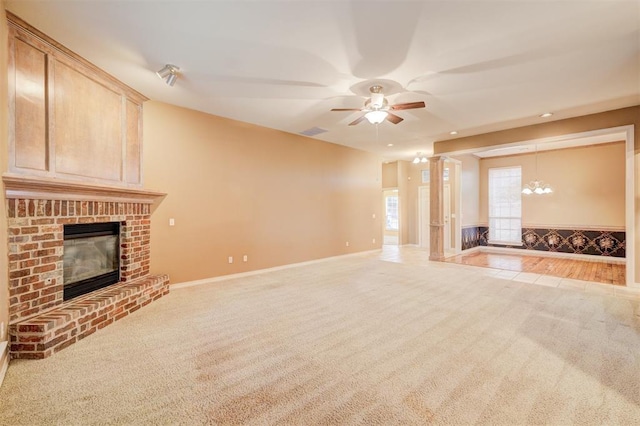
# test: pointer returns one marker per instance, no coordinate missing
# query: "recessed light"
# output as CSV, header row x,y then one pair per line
x,y
453,132
546,114
389,144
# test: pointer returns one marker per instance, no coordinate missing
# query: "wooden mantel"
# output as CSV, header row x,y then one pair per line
x,y
31,187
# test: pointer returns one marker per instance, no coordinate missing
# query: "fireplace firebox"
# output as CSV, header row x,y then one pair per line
x,y
91,257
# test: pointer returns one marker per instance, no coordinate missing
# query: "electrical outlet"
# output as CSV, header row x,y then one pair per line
x,y
172,222
373,216
2,332
347,243
230,259
245,258
374,241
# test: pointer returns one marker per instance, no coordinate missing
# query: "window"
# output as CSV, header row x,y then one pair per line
x,y
391,209
505,206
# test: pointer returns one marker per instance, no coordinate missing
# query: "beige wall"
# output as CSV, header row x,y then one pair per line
x,y
588,185
470,188
236,188
4,134
390,175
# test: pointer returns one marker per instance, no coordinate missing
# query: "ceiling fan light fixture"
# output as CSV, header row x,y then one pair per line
x,y
376,117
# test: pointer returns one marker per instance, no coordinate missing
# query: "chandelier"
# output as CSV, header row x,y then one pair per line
x,y
537,186
419,158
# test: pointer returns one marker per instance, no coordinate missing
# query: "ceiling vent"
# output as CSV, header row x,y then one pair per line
x,y
313,131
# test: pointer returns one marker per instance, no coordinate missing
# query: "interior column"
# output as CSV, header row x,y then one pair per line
x,y
436,208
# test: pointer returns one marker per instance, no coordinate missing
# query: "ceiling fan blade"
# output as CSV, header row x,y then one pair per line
x,y
346,109
408,105
394,118
356,121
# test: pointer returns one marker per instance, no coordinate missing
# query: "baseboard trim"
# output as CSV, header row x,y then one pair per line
x,y
262,271
576,256
467,251
4,358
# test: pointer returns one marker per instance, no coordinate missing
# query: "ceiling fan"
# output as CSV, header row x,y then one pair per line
x,y
377,108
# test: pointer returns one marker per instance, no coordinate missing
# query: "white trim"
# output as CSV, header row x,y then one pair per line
x,y
629,204
557,138
262,271
474,226
458,194
576,227
4,356
506,243
469,250
606,228
558,254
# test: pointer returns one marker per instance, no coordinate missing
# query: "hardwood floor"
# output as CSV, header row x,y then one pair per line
x,y
610,273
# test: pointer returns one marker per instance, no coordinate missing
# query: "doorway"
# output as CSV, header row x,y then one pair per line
x,y
390,207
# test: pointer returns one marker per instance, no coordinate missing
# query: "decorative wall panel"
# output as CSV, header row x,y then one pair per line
x,y
88,129
589,242
470,237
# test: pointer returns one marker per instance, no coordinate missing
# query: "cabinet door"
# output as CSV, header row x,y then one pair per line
x,y
28,88
88,129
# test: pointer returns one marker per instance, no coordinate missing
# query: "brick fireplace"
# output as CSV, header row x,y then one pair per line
x,y
41,321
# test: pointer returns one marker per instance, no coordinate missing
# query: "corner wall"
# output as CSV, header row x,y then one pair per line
x,y
237,189
4,146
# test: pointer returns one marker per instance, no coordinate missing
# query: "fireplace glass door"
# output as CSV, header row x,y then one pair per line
x,y
91,257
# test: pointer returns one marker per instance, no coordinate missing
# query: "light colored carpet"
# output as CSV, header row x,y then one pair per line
x,y
355,340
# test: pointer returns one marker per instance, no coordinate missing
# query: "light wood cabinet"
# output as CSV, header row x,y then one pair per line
x,y
68,119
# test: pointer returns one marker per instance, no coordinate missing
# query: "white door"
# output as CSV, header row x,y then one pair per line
x,y
423,214
447,217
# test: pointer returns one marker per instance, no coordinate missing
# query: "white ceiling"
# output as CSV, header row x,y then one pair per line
x,y
479,65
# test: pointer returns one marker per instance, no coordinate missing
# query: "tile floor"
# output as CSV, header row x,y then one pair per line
x,y
415,255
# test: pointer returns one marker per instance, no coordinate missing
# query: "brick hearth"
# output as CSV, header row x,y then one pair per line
x,y
41,322
54,330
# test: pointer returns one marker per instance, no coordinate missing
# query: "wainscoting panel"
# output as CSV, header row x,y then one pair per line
x,y
471,236
589,242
